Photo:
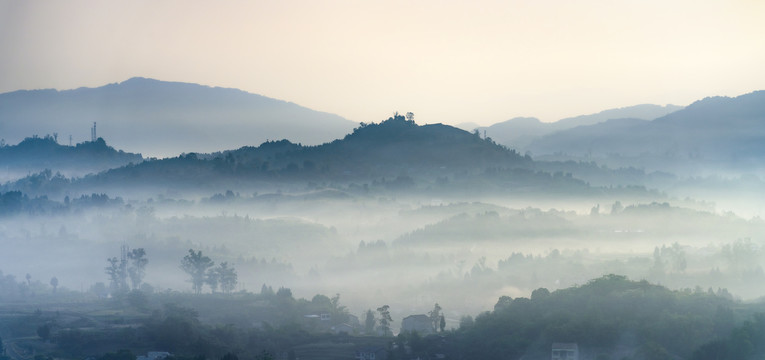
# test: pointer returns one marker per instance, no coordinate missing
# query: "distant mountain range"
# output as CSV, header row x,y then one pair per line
x,y
159,118
717,131
519,132
167,118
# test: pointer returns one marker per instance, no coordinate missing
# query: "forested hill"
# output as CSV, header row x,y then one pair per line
x,y
35,154
610,318
396,152
390,148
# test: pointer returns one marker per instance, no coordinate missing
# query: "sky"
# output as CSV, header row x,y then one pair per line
x,y
479,61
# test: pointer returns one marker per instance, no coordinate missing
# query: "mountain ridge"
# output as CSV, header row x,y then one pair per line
x,y
519,132
161,118
719,131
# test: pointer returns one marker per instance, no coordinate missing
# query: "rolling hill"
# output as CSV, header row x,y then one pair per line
x,y
161,119
519,132
35,154
722,132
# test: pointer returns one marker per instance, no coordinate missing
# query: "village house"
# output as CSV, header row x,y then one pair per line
x,y
419,323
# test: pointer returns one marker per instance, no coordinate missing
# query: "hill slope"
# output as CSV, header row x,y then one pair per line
x,y
721,131
37,154
519,132
394,154
161,118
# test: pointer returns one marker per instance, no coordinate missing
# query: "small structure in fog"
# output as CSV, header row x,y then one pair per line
x,y
419,323
565,351
343,328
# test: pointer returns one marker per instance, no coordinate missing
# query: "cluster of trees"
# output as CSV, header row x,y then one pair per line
x,y
12,290
609,318
437,319
203,271
36,153
132,265
744,342
16,202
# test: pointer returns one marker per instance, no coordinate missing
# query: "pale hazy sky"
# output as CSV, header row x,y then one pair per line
x,y
446,61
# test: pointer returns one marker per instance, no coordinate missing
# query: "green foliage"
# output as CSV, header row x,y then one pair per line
x,y
744,342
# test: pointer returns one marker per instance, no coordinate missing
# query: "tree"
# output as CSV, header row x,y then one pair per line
x,y
116,272
339,312
29,279
137,268
212,279
410,116
369,322
54,283
385,320
226,277
435,316
442,324
195,264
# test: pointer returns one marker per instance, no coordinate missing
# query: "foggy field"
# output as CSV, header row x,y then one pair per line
x,y
463,255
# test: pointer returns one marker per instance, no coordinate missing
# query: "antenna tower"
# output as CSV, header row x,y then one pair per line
x,y
93,133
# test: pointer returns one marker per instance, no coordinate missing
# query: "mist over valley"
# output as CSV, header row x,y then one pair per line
x,y
611,231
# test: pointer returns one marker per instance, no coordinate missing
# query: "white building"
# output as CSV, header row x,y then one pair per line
x,y
565,351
